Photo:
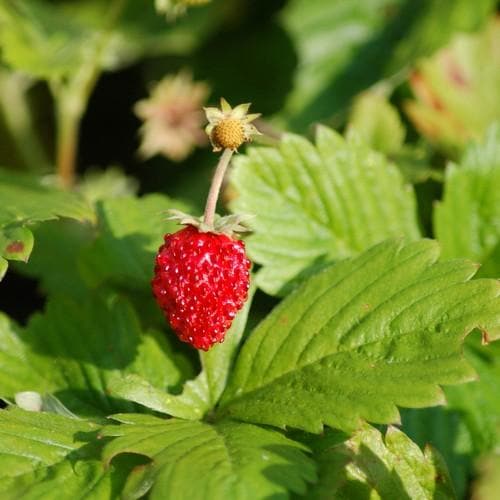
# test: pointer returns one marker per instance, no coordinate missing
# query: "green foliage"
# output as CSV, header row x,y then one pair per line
x,y
472,195
16,243
130,230
15,371
361,337
375,319
195,460
455,89
76,348
42,453
51,263
37,39
54,40
345,47
479,402
446,431
377,122
317,203
25,200
370,465
199,395
470,425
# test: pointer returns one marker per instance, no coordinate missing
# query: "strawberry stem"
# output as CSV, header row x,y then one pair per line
x,y
213,194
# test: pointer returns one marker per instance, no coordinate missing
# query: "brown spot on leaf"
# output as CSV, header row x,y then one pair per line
x,y
15,247
366,307
284,320
455,73
485,337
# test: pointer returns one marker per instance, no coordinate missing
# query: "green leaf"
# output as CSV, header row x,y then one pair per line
x,y
16,374
414,162
318,203
479,402
16,243
24,200
455,90
472,197
195,460
370,465
112,182
42,455
54,40
135,388
76,348
361,337
52,263
37,39
130,230
328,37
377,122
446,431
344,48
469,426
199,395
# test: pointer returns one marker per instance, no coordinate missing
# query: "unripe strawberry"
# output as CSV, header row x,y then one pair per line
x,y
201,281
229,128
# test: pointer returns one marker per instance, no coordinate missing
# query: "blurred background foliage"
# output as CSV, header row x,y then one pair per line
x,y
416,80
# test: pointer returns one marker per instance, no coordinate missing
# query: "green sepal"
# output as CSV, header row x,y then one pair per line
x,y
222,225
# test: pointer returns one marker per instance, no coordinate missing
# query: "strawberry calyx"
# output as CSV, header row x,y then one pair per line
x,y
228,224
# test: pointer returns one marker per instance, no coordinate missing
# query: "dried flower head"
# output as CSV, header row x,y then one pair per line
x,y
229,128
173,117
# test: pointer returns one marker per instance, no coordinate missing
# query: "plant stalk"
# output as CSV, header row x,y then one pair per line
x,y
213,194
72,98
68,128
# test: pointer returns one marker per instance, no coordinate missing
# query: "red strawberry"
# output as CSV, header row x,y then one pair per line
x,y
201,281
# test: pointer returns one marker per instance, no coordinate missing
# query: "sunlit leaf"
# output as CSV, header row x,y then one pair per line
x,y
196,460
314,204
467,221
370,465
362,337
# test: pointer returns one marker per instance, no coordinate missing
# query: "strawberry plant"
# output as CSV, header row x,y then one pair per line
x,y
206,303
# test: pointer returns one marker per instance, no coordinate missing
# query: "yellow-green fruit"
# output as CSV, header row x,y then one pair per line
x,y
228,134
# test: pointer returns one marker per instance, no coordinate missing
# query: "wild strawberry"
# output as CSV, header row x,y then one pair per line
x,y
202,274
201,281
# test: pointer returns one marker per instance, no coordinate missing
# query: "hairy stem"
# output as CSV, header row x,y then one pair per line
x,y
213,194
